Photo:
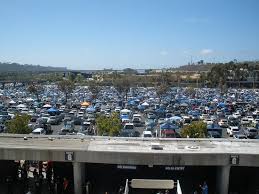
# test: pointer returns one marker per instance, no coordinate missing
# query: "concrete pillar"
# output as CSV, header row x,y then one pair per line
x,y
223,179
79,177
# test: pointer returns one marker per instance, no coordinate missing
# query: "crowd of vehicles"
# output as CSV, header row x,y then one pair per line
x,y
143,114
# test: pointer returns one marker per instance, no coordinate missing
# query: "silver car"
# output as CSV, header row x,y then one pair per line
x,y
251,132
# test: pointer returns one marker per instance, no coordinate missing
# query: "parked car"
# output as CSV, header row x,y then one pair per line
x,y
232,130
151,115
68,127
53,120
42,120
46,127
137,122
39,131
147,134
128,126
239,136
250,132
129,133
213,134
223,123
78,120
34,117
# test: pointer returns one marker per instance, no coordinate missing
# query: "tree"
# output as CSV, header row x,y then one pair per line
x,y
161,90
66,86
196,129
79,78
72,76
19,125
130,71
94,88
35,89
108,125
123,86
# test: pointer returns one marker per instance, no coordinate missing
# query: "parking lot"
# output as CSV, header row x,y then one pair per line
x,y
142,112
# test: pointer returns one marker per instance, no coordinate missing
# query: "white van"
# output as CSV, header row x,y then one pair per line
x,y
39,131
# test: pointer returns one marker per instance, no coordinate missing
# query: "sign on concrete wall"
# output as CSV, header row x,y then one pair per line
x,y
69,156
234,159
129,167
175,168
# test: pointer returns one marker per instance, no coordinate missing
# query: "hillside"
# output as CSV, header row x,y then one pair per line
x,y
195,67
15,67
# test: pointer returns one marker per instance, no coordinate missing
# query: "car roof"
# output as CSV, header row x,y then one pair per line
x,y
147,132
129,124
38,130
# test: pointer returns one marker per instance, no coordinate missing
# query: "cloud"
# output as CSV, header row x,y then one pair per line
x,y
163,53
194,20
206,51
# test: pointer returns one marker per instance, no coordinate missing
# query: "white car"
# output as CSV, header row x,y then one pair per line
x,y
128,126
80,114
255,121
208,121
223,123
250,119
237,115
245,121
62,107
117,109
232,130
147,134
204,116
256,112
39,131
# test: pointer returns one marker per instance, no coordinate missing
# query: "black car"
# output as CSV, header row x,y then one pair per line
x,y
213,134
34,118
78,120
129,133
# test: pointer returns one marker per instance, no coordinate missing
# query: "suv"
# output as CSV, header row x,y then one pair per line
x,y
53,120
128,126
250,132
68,127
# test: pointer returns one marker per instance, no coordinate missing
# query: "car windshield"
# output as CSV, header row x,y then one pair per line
x,y
129,126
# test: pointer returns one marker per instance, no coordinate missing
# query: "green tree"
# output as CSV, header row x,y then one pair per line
x,y
130,71
94,88
79,78
72,76
35,89
123,85
19,125
66,86
161,90
196,129
108,125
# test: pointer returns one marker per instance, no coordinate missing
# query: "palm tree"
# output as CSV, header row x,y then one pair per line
x,y
66,86
35,89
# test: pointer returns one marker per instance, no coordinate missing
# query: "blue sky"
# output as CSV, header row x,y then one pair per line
x,y
97,34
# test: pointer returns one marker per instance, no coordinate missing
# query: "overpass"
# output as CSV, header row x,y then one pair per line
x,y
222,153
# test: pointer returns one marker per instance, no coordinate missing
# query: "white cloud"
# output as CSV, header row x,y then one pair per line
x,y
206,51
163,53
